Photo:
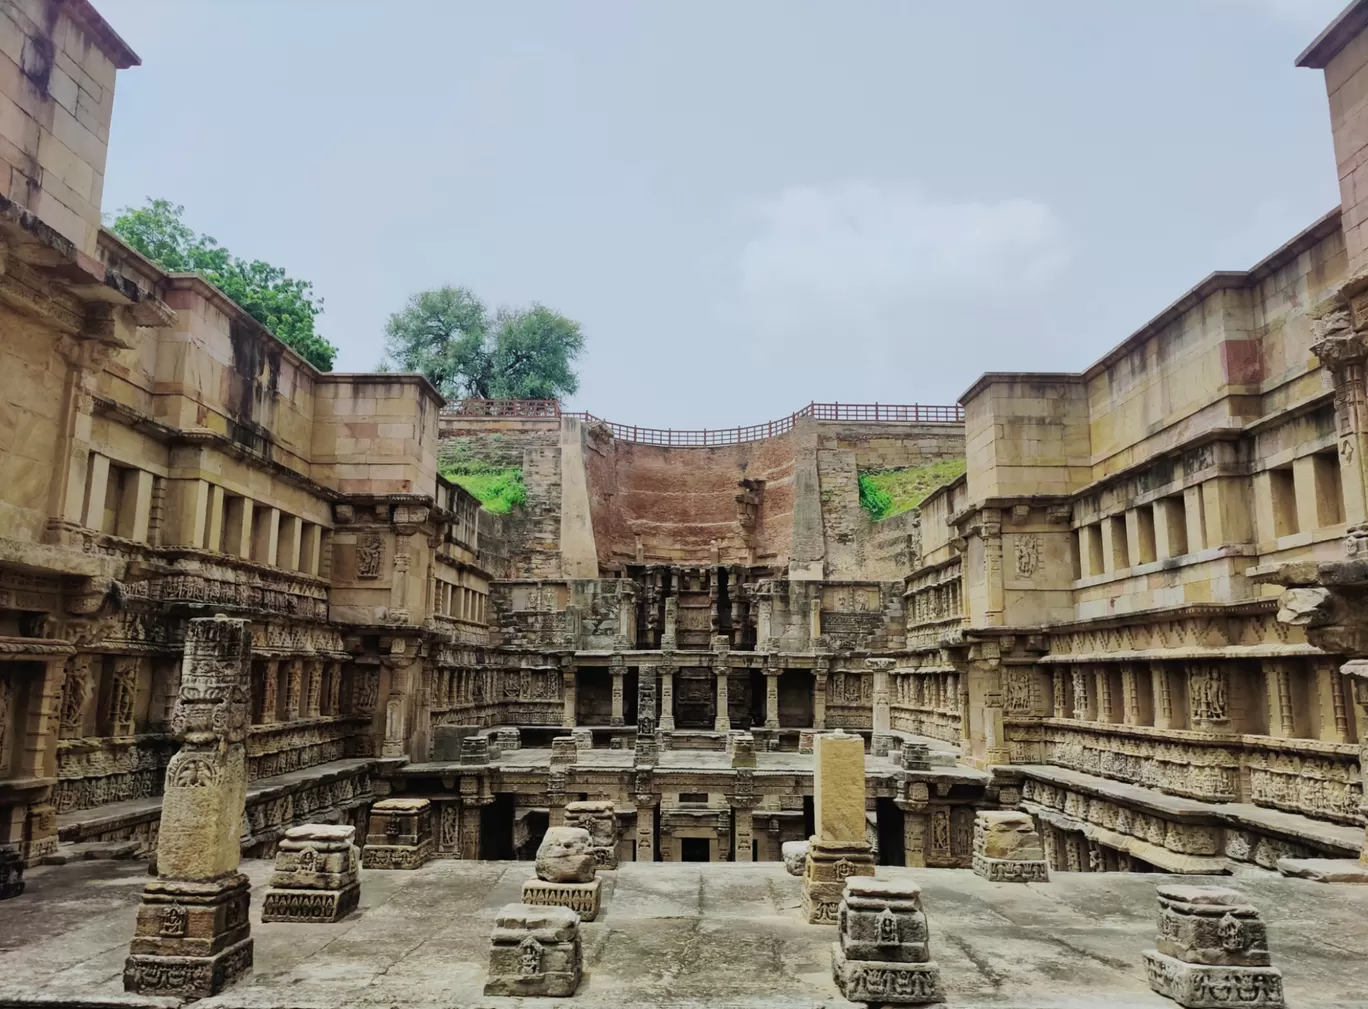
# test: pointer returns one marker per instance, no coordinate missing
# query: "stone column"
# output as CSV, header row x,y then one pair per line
x,y
570,694
647,799
313,699
470,826
743,817
771,698
646,744
269,700
879,743
1328,686
1164,715
1130,701
914,826
667,722
722,722
192,937
294,687
819,691
839,848
619,673
1058,693
1340,349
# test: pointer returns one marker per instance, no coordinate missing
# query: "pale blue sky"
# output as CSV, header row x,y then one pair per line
x,y
748,205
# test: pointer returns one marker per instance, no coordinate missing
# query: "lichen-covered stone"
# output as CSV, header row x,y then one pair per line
x,y
564,856
534,951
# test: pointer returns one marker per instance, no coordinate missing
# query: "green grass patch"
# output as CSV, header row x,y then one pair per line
x,y
889,492
499,489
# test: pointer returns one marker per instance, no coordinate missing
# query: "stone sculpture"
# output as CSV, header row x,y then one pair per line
x,y
883,955
192,937
1212,950
316,875
1007,848
565,873
399,836
838,850
795,856
600,820
534,951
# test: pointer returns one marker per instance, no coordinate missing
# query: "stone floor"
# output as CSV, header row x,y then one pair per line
x,y
679,935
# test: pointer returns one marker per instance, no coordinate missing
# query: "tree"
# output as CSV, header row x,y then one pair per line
x,y
283,304
449,336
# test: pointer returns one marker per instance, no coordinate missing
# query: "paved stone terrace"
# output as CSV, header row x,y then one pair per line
x,y
723,934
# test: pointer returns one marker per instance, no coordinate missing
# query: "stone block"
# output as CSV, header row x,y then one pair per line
x,y
192,939
1007,848
534,951
584,738
564,751
600,820
400,834
880,744
795,856
1209,986
878,983
882,920
743,750
316,875
1210,925
838,787
805,738
507,739
915,757
582,898
475,750
564,856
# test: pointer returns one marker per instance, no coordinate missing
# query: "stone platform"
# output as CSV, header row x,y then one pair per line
x,y
674,934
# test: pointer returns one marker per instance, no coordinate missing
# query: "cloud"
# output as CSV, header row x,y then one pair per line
x,y
858,251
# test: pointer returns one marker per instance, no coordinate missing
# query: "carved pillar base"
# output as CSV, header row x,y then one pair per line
x,y
829,865
192,939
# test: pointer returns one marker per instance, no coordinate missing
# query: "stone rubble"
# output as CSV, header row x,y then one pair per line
x,y
317,875
566,873
883,954
534,952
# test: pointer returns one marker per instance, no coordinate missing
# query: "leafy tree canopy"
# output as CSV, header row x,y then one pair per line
x,y
283,304
448,335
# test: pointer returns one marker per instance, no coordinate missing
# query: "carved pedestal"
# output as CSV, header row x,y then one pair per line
x,y
829,865
315,877
400,834
1007,848
1212,950
192,938
582,898
534,951
884,955
600,820
11,872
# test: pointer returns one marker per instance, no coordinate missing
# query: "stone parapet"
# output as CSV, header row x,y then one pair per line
x,y
582,898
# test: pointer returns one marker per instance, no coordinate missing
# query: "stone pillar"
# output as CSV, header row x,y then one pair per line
x,y
1058,693
1164,715
619,673
570,694
1340,348
470,826
647,799
1130,700
879,743
722,722
819,691
192,937
294,688
743,818
667,722
646,746
1332,722
839,848
914,830
313,695
771,698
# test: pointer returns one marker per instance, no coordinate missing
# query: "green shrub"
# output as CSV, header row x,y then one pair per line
x,y
889,492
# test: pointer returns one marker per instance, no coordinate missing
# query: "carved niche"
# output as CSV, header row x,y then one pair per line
x,y
370,555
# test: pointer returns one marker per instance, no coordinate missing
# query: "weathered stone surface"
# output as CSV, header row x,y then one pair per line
x,y
582,898
11,872
838,850
1213,986
400,834
828,866
564,856
316,877
600,820
534,951
795,856
883,952
1007,848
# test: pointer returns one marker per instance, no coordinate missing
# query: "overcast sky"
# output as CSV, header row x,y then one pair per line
x,y
747,205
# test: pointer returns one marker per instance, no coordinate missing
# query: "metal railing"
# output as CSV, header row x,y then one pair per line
x,y
868,413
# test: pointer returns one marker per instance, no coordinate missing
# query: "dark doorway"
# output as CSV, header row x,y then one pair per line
x,y
757,698
695,701
629,696
890,824
693,849
593,697
496,827
809,817
795,699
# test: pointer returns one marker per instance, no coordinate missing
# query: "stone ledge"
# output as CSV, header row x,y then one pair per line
x,y
1333,837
